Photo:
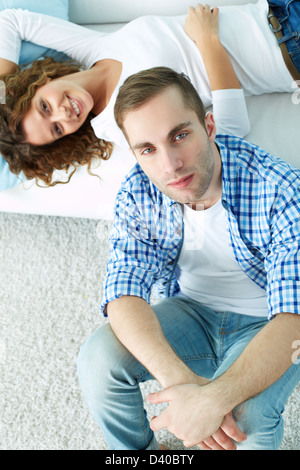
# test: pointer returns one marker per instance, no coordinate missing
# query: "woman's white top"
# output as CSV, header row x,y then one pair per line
x,y
154,41
207,269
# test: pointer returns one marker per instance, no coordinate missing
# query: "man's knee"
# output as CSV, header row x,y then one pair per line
x,y
103,361
261,421
98,356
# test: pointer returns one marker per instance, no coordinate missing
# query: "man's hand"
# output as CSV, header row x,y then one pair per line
x,y
223,438
195,417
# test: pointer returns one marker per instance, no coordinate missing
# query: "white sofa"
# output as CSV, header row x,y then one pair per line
x,y
275,124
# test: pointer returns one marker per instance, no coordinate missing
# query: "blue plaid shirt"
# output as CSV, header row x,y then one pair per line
x,y
261,195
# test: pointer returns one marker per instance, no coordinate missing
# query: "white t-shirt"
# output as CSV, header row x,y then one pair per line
x,y
207,269
154,41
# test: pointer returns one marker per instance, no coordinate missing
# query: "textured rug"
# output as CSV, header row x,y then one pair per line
x,y
51,277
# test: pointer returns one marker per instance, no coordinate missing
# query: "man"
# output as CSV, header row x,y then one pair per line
x,y
215,223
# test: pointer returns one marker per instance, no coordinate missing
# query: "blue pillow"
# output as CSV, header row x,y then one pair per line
x,y
29,53
57,8
7,178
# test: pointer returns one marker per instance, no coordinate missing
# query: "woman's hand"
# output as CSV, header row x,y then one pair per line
x,y
7,67
202,23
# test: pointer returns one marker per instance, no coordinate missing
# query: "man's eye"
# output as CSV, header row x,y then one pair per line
x,y
181,136
147,151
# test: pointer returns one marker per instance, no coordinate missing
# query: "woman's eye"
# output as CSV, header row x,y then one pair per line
x,y
44,106
57,130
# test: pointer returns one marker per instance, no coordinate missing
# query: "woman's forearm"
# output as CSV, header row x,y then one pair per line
x,y
202,25
138,329
218,66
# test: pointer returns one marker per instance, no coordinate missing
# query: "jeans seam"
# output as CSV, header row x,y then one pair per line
x,y
291,31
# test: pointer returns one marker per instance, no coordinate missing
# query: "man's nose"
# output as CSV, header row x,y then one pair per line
x,y
171,161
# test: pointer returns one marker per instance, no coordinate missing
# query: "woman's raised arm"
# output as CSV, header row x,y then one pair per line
x,y
16,25
202,25
229,106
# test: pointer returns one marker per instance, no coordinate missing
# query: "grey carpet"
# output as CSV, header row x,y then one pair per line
x,y
51,276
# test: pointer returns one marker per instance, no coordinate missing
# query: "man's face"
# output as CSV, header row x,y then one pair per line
x,y
174,149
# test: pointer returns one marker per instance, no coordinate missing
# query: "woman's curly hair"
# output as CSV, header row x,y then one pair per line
x,y
39,162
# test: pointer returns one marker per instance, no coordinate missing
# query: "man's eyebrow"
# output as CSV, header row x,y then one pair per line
x,y
178,128
142,145
171,134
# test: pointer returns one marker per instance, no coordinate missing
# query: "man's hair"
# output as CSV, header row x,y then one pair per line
x,y
145,85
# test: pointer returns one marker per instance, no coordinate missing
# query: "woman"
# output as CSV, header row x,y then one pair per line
x,y
57,116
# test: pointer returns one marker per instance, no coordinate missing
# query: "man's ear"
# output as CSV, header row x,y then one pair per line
x,y
210,126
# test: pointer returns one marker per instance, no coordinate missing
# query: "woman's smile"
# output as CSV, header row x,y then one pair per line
x,y
76,105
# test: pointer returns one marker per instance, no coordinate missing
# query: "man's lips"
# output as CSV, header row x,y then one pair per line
x,y
182,182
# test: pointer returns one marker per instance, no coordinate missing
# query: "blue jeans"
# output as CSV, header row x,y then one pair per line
x,y
208,342
288,15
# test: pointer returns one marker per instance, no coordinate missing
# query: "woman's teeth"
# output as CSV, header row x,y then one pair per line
x,y
75,107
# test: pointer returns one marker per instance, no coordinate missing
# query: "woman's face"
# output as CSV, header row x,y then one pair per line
x,y
59,108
